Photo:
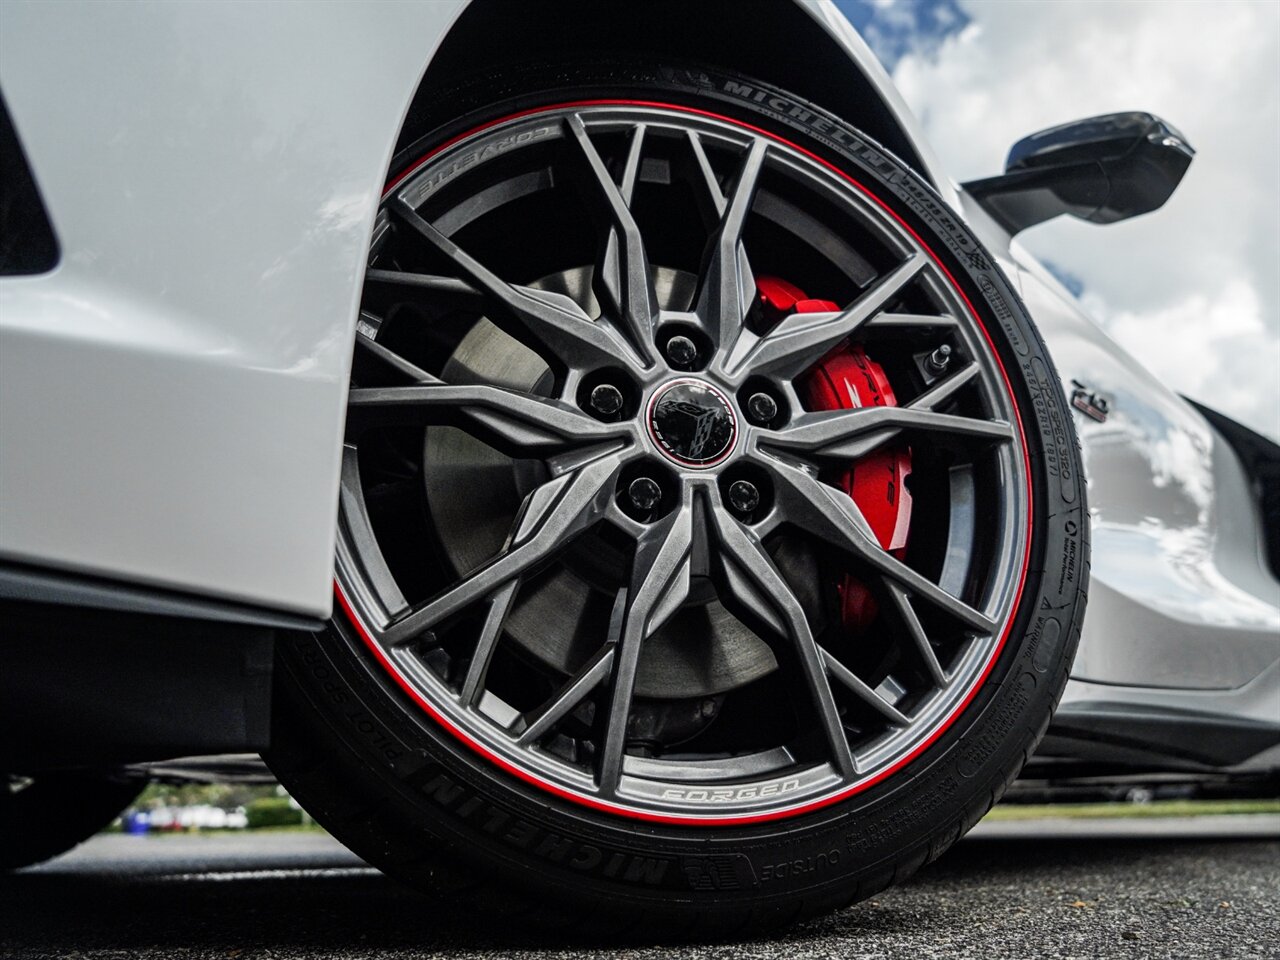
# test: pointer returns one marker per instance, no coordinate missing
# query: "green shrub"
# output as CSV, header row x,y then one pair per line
x,y
272,812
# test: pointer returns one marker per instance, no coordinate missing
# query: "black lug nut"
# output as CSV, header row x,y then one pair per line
x,y
681,351
743,496
938,360
761,408
645,493
606,399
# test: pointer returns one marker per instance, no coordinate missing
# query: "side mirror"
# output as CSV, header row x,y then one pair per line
x,y
1102,170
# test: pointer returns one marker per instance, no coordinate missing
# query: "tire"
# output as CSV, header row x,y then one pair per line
x,y
51,813
361,753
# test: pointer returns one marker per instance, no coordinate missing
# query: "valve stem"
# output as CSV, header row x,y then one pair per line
x,y
937,362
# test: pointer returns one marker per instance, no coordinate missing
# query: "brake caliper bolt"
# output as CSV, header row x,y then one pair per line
x,y
743,496
606,399
761,408
681,351
645,493
938,360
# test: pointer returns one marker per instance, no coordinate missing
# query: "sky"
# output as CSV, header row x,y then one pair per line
x,y
1191,290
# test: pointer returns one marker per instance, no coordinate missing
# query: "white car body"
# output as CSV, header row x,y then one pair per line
x,y
172,393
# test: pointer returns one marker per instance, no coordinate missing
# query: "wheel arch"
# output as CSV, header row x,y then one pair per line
x,y
814,62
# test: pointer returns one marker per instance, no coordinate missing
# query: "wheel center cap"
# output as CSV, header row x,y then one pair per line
x,y
692,422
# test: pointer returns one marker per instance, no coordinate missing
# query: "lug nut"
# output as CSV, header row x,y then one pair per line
x,y
681,351
743,496
606,399
938,360
761,408
645,493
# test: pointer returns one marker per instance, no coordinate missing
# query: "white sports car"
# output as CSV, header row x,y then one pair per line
x,y
591,450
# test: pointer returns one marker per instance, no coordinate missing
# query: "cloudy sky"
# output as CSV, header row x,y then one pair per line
x,y
1192,290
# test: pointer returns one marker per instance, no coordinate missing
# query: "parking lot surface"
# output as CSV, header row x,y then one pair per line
x,y
1203,887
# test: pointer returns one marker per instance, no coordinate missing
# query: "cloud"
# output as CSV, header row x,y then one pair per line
x,y
1192,290
895,28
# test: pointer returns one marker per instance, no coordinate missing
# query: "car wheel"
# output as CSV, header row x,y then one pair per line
x,y
712,543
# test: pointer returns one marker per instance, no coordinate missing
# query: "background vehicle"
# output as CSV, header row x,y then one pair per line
x,y
618,615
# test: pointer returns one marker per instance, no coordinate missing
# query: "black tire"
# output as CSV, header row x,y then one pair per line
x,y
409,798
54,812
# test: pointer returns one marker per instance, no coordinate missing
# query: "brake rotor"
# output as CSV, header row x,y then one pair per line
x,y
474,493
846,378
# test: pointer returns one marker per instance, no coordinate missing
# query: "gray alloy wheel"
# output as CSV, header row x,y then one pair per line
x,y
604,409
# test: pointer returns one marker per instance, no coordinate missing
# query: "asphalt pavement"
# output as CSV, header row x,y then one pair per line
x,y
1204,887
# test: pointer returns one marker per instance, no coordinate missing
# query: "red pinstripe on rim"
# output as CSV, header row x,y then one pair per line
x,y
723,819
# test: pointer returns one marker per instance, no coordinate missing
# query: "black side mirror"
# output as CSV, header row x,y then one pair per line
x,y
1102,170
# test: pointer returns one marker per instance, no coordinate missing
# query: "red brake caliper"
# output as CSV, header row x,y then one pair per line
x,y
846,378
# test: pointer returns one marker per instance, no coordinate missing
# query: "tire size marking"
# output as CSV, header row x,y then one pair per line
x,y
936,795
791,868
1053,429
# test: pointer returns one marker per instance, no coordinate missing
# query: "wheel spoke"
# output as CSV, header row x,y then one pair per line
x,y
945,389
915,630
516,423
623,281
728,286
855,685
659,584
710,185
800,339
554,326
490,631
831,516
422,286
534,725
553,514
807,502
743,550
847,435
912,321
410,371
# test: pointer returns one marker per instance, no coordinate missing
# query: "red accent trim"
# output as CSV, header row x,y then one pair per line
x,y
729,820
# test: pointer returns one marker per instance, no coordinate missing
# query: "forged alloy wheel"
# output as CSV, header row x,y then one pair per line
x,y
696,478
680,426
